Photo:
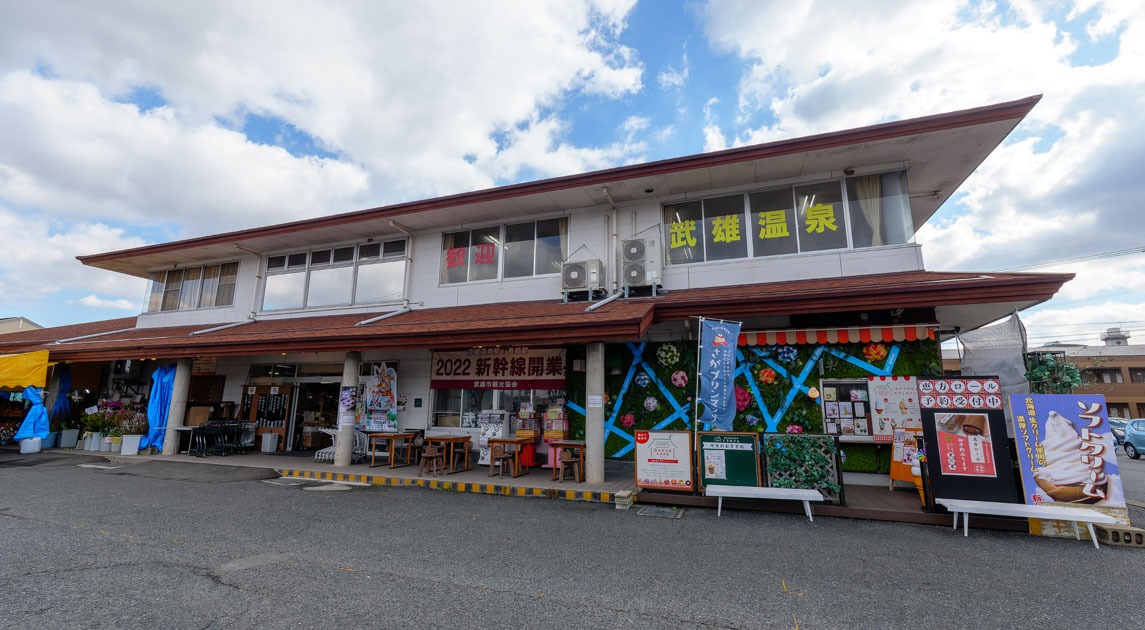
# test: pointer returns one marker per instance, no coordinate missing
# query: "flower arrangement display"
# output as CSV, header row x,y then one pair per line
x,y
743,399
787,354
752,420
800,461
651,404
874,352
642,380
767,376
680,379
668,355
794,429
110,415
628,420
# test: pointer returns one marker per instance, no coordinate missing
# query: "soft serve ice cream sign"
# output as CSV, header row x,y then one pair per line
x,y
1066,451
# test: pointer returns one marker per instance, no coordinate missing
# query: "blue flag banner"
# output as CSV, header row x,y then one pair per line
x,y
717,367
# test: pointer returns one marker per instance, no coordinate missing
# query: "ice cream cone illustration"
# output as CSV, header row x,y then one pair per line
x,y
1074,472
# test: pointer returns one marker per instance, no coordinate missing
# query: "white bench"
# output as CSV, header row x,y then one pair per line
x,y
1057,513
751,492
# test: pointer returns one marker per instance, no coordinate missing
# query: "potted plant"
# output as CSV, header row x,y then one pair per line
x,y
93,427
133,429
111,438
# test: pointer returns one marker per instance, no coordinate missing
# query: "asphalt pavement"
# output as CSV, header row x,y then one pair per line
x,y
93,544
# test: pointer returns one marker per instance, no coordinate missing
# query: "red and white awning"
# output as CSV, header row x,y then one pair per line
x,y
859,334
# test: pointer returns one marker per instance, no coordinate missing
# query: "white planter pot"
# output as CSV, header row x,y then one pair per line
x,y
93,442
105,444
69,437
116,444
129,444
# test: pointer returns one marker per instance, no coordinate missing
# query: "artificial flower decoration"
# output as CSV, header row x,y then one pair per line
x,y
794,428
668,355
651,404
680,378
628,421
767,376
843,456
751,420
874,352
642,379
787,354
743,398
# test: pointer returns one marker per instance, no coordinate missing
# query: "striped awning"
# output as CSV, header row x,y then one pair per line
x,y
859,334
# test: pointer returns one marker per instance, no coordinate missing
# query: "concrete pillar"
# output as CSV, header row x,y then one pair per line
x,y
594,413
178,409
344,454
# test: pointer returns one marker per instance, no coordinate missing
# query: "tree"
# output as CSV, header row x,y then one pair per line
x,y
1051,373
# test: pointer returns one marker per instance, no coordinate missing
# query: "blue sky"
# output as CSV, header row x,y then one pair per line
x,y
126,125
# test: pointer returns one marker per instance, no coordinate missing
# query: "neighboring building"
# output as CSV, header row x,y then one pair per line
x,y
1115,370
566,290
17,324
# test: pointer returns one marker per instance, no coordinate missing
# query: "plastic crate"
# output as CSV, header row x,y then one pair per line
x,y
1121,535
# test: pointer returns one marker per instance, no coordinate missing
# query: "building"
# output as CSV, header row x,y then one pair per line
x,y
1115,370
16,324
576,293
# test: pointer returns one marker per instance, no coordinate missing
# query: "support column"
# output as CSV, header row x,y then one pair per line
x,y
594,413
180,388
344,454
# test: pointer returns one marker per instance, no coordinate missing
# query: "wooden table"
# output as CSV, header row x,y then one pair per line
x,y
451,442
394,438
517,443
557,445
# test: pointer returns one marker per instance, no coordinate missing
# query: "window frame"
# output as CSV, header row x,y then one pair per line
x,y
306,262
794,221
170,291
502,251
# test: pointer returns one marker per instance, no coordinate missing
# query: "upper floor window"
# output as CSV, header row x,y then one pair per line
x,y
516,250
193,287
1095,376
1137,375
335,276
868,211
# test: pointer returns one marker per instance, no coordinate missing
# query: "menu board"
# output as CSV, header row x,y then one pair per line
x,y
664,460
729,459
895,415
968,456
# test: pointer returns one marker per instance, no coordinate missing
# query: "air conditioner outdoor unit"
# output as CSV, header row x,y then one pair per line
x,y
641,262
582,275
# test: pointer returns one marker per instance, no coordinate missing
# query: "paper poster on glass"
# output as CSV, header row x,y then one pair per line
x,y
380,395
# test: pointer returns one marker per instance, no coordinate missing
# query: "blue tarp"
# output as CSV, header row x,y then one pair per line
x,y
62,406
162,384
36,422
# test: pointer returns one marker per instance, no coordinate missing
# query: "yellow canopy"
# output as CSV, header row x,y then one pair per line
x,y
18,371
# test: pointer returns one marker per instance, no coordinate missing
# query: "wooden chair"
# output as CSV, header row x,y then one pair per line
x,y
568,461
432,461
500,459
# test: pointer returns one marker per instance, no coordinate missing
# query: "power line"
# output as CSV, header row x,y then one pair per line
x,y
1113,254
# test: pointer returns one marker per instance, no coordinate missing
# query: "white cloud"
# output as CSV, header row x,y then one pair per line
x,y
95,301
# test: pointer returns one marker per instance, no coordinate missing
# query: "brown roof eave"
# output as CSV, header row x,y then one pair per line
x,y
1012,110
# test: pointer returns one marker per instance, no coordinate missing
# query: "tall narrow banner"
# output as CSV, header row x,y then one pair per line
x,y
717,368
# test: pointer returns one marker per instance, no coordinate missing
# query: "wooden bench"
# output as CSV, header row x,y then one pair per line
x,y
751,492
1052,512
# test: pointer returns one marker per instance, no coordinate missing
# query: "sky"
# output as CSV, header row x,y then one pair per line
x,y
126,122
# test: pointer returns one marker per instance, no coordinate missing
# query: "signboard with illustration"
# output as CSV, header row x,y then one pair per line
x,y
380,399
728,459
895,415
1066,455
664,460
964,428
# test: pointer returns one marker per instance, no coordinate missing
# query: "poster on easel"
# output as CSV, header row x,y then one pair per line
x,y
895,417
380,398
728,459
664,460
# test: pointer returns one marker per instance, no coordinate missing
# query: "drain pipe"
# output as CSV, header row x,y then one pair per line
x,y
596,305
409,259
615,242
401,311
249,320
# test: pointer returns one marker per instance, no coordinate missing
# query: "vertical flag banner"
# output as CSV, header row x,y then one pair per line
x,y
717,367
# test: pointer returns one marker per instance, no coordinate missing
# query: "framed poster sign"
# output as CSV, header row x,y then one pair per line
x,y
964,427
664,460
729,459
